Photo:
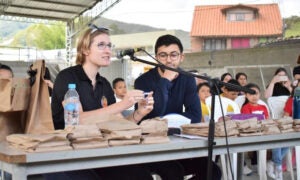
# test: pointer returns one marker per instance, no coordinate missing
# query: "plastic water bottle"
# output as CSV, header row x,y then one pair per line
x,y
296,104
72,104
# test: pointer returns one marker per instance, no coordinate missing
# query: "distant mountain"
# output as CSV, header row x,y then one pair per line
x,y
10,28
124,28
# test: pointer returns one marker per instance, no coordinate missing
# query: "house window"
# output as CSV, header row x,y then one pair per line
x,y
214,44
240,17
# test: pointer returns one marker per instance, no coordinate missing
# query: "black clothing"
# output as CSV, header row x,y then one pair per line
x,y
280,90
192,166
90,97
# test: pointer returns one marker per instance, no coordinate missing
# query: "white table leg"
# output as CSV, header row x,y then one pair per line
x,y
19,173
297,149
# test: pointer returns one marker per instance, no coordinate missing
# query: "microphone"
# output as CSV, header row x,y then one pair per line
x,y
127,52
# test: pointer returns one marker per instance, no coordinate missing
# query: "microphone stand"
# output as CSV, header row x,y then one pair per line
x,y
214,83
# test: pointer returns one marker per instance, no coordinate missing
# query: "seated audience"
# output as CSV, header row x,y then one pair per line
x,y
120,90
203,90
280,84
242,79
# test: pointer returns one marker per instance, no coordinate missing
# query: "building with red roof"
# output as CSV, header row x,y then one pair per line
x,y
221,27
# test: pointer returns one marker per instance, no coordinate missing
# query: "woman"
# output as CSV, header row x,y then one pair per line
x,y
280,84
94,50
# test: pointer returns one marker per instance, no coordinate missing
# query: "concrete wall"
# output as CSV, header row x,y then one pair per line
x,y
258,63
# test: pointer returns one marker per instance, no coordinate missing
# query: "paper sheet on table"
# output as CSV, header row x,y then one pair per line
x,y
190,136
176,120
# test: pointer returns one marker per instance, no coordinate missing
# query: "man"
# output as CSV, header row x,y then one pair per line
x,y
172,91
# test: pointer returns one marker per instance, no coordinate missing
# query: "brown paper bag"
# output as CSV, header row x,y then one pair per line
x,y
11,122
14,94
39,116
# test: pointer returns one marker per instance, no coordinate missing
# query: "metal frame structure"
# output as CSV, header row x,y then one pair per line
x,y
76,14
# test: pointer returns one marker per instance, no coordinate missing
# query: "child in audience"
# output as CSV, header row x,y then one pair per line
x,y
120,90
242,79
251,105
203,90
230,93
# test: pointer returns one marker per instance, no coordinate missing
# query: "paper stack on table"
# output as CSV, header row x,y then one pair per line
x,y
85,137
56,141
154,131
120,132
285,124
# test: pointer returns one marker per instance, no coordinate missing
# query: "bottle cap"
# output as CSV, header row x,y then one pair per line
x,y
72,86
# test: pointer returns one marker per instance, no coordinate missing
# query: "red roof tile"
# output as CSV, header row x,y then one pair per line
x,y
209,21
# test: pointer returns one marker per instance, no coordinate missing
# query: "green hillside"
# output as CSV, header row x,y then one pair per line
x,y
292,26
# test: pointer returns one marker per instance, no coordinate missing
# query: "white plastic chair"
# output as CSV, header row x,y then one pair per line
x,y
262,154
241,99
225,103
276,105
217,114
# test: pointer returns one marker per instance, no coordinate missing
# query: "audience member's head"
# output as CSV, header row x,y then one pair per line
x,y
119,87
226,77
252,98
231,92
241,78
203,90
296,72
281,71
6,72
296,75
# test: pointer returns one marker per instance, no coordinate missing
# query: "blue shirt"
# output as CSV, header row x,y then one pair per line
x,y
171,96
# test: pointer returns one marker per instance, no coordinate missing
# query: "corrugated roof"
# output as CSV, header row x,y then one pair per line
x,y
63,10
209,21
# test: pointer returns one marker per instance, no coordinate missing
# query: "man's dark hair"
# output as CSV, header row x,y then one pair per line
x,y
238,75
167,40
115,81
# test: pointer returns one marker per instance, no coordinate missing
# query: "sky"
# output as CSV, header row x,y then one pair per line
x,y
178,14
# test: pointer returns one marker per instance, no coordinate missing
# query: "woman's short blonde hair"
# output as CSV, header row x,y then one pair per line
x,y
86,40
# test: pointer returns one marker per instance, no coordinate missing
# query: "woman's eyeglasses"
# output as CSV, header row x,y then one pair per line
x,y
102,46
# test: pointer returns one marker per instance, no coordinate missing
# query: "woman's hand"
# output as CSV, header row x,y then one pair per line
x,y
133,97
276,79
49,83
145,105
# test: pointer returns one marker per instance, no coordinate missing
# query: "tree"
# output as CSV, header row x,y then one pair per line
x,y
42,36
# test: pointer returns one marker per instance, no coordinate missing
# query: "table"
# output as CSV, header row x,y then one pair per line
x,y
21,164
